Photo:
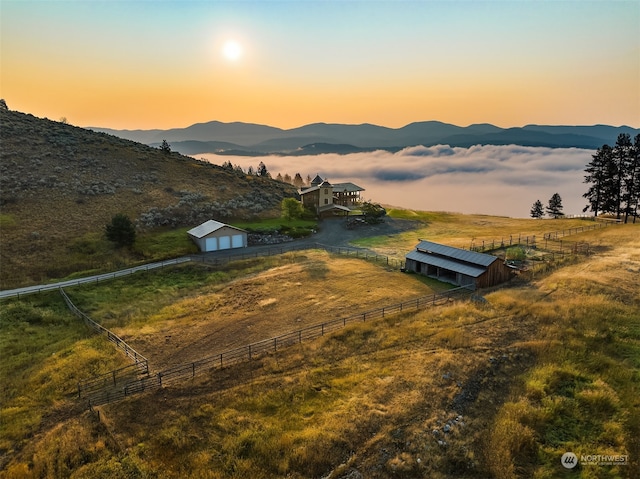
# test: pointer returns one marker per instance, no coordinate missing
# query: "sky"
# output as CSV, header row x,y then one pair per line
x,y
484,179
165,64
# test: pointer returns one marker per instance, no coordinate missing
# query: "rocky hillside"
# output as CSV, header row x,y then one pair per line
x,y
59,183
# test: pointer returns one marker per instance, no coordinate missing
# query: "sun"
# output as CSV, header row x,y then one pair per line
x,y
232,50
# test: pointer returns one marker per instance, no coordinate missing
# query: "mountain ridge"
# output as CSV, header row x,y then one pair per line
x,y
255,139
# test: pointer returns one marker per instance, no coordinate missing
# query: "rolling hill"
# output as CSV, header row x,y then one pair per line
x,y
61,184
251,139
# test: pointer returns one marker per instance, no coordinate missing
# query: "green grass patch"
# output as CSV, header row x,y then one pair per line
x,y
272,224
45,352
162,244
7,221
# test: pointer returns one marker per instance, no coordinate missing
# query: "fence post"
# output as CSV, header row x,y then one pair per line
x,y
249,352
322,330
275,344
193,370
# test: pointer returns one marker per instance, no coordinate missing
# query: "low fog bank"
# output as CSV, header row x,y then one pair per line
x,y
492,180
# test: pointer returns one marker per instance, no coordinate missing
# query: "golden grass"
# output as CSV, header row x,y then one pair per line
x,y
304,289
539,369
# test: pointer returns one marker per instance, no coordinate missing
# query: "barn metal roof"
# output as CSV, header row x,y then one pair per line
x,y
450,264
209,227
456,253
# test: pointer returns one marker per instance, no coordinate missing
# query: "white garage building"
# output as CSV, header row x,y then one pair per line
x,y
215,236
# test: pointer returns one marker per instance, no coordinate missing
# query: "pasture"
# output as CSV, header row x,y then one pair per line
x,y
499,388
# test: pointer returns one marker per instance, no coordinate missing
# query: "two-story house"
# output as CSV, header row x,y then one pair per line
x,y
328,199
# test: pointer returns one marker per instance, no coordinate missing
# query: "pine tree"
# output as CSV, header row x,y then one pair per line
x,y
121,230
631,181
298,182
537,210
262,171
165,147
621,157
598,171
287,178
554,209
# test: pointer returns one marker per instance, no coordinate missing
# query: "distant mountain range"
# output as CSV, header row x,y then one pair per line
x,y
255,140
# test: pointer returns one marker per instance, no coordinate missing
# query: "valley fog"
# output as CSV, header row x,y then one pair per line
x,y
492,180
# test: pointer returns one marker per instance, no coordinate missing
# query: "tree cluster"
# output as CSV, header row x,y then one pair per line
x,y
613,176
553,209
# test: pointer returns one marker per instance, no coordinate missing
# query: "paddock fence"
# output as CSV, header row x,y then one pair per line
x,y
282,248
210,364
139,367
532,241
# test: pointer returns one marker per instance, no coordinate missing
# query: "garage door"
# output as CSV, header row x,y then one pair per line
x,y
236,241
211,244
224,242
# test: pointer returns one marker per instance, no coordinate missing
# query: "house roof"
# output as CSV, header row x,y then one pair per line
x,y
349,187
472,257
316,181
209,227
450,264
309,190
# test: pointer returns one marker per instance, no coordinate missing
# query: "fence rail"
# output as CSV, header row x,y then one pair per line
x,y
259,349
530,241
112,378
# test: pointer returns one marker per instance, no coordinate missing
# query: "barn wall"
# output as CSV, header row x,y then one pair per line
x,y
496,273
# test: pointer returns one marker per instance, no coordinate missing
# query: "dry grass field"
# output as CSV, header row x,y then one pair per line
x,y
500,388
301,289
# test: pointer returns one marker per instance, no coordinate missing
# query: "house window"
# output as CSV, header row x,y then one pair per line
x,y
326,191
326,201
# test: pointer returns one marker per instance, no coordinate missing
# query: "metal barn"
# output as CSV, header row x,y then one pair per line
x,y
457,266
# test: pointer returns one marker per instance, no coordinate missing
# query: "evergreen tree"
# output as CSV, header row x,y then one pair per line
x,y
262,171
165,147
308,180
298,182
287,178
554,209
598,171
121,230
279,177
631,181
621,157
537,210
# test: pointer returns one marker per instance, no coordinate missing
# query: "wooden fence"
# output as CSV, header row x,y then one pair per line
x,y
530,241
287,248
261,348
112,378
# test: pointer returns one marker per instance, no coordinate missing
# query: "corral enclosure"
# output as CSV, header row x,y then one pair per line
x,y
297,290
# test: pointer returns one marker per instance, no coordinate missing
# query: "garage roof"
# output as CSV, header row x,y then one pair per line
x,y
209,227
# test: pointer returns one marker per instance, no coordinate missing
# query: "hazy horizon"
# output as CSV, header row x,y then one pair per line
x,y
489,179
142,65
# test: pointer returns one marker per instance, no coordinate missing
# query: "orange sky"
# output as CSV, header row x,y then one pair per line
x,y
160,64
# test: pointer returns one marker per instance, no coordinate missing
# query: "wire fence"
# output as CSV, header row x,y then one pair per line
x,y
259,349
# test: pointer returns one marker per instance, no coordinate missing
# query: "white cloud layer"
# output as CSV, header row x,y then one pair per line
x,y
490,179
